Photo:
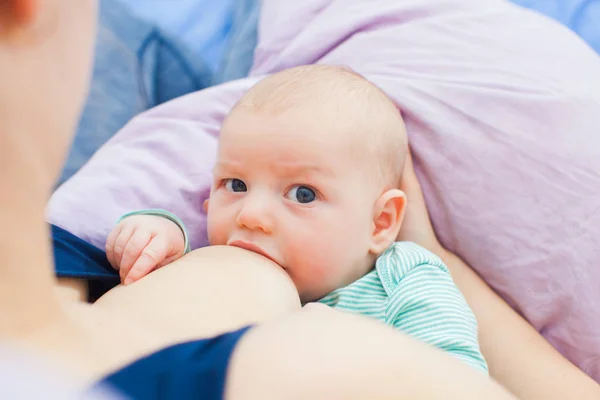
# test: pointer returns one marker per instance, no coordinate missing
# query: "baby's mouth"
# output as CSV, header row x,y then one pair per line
x,y
253,248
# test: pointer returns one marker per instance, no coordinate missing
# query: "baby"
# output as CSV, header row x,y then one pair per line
x,y
307,175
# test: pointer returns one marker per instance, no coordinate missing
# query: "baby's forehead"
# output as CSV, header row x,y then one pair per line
x,y
326,131
347,117
305,155
291,137
298,128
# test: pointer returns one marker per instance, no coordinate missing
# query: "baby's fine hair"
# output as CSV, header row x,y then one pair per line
x,y
338,92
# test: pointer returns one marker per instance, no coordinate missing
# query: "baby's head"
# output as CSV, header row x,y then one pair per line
x,y
307,174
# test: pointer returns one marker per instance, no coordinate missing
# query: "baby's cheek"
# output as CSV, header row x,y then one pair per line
x,y
218,229
318,264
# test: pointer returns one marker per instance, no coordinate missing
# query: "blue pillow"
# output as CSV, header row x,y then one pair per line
x,y
202,25
581,16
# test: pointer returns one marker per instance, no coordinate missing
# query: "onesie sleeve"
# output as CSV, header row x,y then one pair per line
x,y
164,214
426,304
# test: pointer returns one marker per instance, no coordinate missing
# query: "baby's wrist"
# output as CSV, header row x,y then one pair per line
x,y
166,215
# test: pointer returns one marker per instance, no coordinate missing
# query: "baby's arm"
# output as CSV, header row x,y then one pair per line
x,y
144,241
427,305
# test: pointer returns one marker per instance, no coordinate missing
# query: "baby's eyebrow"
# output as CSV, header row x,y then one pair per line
x,y
299,169
284,168
225,164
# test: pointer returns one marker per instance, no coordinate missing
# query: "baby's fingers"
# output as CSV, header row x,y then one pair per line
x,y
119,244
133,250
151,257
110,245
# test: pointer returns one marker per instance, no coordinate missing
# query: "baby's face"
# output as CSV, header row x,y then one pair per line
x,y
296,191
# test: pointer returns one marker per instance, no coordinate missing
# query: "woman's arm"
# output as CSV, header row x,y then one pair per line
x,y
321,353
517,355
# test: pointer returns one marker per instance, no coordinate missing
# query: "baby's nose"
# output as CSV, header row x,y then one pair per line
x,y
256,215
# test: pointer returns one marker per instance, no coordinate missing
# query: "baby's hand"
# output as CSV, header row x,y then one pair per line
x,y
142,243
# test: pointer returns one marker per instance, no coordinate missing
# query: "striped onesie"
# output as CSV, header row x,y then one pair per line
x,y
412,290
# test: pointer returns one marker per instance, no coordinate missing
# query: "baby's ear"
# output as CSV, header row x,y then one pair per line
x,y
387,219
205,205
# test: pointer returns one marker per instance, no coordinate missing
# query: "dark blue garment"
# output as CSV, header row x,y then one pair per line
x,y
76,258
194,370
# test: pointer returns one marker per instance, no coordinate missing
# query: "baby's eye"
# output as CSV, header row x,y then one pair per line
x,y
301,194
235,185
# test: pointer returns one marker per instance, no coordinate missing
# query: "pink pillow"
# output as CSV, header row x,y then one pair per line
x,y
503,113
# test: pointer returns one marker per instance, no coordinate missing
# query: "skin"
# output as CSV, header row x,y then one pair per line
x,y
35,34
45,49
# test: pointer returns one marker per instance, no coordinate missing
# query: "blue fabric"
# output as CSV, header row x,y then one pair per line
x,y
139,66
75,258
193,370
202,25
223,33
238,55
136,67
581,16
